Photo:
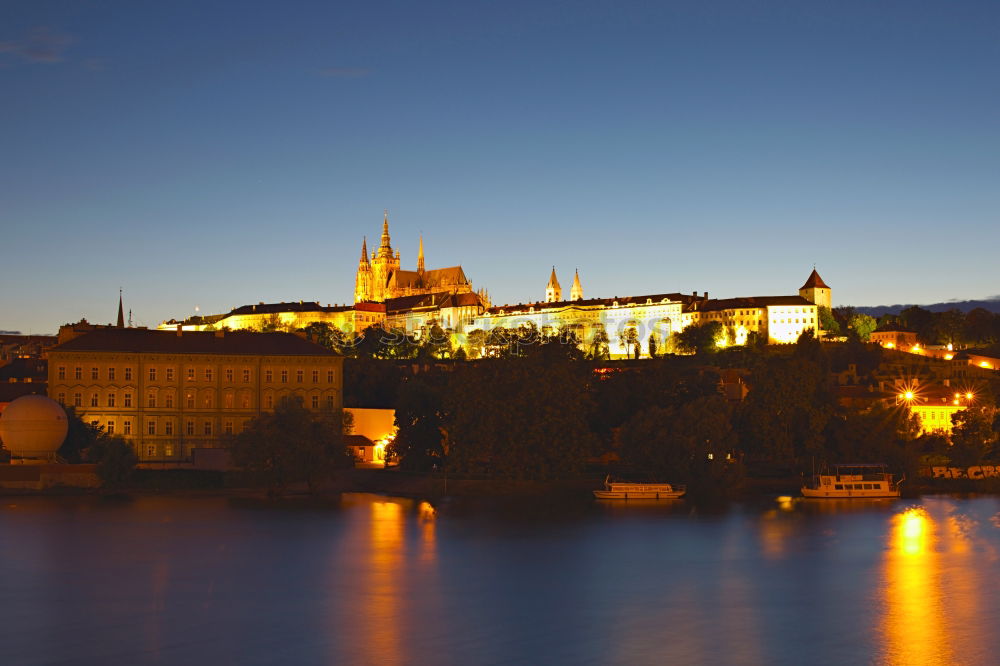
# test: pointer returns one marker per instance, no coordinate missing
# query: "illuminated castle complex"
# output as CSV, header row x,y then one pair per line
x,y
415,300
380,278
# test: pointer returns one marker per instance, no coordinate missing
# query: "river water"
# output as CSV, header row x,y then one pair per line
x,y
371,579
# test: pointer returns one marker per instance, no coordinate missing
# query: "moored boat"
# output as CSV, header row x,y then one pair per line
x,y
854,481
625,490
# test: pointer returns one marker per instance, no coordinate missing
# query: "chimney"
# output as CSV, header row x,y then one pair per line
x,y
180,328
706,295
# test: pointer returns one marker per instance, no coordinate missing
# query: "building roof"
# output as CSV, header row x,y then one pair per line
x,y
133,340
276,308
23,368
815,282
438,277
435,301
597,302
717,304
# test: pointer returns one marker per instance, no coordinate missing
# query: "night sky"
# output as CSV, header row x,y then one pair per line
x,y
217,154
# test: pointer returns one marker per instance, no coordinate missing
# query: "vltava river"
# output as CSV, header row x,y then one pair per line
x,y
389,581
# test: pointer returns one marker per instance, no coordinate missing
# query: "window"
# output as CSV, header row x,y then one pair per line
x,y
152,374
189,428
315,376
93,400
315,402
208,428
111,427
170,374
208,400
94,373
78,373
208,374
228,428
168,429
127,427
245,401
284,376
127,401
128,374
62,372
298,376
111,374
229,400
329,402
190,374
151,400
189,399
246,375
150,427
168,400
61,397
168,450
268,375
150,450
838,486
229,374
268,402
111,400
329,376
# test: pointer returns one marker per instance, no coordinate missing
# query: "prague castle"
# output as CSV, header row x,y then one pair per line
x,y
415,300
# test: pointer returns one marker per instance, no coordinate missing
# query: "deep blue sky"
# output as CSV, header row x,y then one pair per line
x,y
217,154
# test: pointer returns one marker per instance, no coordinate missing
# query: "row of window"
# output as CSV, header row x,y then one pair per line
x,y
228,399
857,486
167,428
208,374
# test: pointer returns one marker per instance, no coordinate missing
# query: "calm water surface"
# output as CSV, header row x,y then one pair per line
x,y
382,580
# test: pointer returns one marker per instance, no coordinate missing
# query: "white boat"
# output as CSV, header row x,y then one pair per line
x,y
858,481
633,490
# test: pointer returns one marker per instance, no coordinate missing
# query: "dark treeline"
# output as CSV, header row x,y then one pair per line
x,y
977,328
551,414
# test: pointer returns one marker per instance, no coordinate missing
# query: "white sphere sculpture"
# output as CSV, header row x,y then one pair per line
x,y
33,426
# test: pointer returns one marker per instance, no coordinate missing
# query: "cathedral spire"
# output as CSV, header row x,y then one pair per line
x,y
121,312
576,292
385,230
553,292
420,255
364,250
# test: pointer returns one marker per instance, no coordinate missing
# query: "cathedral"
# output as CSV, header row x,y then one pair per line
x,y
380,278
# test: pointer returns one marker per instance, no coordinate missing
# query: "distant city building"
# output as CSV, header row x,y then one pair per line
x,y
172,392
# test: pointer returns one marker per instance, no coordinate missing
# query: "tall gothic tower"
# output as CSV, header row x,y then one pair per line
x,y
363,280
420,256
384,263
576,292
553,292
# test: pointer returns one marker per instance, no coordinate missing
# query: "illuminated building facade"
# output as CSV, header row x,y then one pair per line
x,y
171,392
933,405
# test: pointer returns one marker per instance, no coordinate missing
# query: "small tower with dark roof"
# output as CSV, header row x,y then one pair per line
x,y
816,291
553,292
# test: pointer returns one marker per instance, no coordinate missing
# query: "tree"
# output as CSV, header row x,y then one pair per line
x,y
115,460
684,442
600,344
701,338
526,418
863,325
827,322
950,327
652,345
80,436
420,422
630,339
972,434
291,445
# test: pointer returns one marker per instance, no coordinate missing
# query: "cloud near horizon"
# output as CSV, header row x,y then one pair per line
x,y
40,45
345,72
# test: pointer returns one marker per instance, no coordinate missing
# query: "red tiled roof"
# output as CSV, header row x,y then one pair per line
x,y
191,342
815,282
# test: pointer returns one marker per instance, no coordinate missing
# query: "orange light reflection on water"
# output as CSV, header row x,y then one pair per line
x,y
913,625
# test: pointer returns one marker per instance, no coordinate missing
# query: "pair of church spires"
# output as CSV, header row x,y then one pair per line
x,y
553,292
385,248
